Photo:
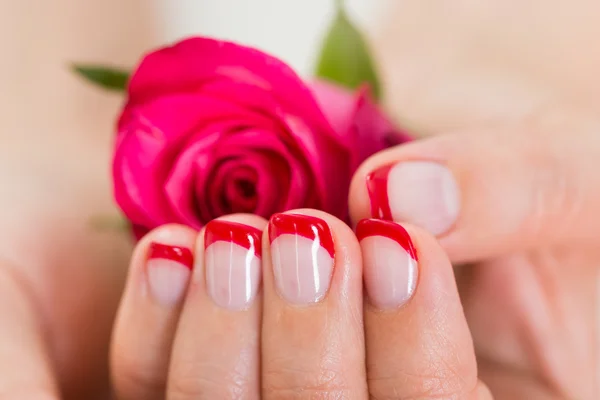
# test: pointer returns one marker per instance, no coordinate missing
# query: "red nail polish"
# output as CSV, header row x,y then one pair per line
x,y
303,225
377,186
178,254
391,230
245,236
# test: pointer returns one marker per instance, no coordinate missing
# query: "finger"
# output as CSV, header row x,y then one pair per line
x,y
149,312
25,365
486,193
312,333
417,339
216,351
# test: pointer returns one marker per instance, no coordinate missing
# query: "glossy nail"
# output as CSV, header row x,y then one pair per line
x,y
390,262
420,192
168,270
233,263
303,254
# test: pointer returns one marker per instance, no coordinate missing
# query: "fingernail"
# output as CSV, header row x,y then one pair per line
x,y
420,192
390,262
302,253
232,257
168,269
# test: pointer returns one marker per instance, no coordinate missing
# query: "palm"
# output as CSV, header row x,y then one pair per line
x,y
73,273
531,316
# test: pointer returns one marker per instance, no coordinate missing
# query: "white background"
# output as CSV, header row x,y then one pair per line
x,y
290,29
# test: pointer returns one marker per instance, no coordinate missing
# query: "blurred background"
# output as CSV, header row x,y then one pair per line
x,y
56,130
445,66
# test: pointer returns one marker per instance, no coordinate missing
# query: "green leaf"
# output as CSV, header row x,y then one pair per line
x,y
345,57
105,77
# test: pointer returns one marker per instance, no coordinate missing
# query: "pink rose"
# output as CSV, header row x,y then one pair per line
x,y
212,128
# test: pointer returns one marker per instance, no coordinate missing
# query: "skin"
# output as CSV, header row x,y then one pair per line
x,y
545,94
275,350
529,280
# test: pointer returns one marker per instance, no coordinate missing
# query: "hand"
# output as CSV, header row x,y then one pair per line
x,y
198,321
520,207
467,64
60,278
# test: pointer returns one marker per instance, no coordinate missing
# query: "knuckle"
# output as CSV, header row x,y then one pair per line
x,y
134,375
210,382
413,387
207,388
439,381
187,388
288,383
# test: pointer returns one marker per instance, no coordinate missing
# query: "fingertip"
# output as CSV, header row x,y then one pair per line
x,y
159,267
343,234
227,245
312,301
401,260
253,220
170,234
248,220
345,251
413,299
430,253
219,326
360,202
149,310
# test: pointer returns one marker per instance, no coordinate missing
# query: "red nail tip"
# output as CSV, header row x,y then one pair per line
x,y
377,182
178,254
391,230
245,236
304,225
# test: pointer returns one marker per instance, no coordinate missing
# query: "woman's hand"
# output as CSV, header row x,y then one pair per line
x,y
207,316
520,207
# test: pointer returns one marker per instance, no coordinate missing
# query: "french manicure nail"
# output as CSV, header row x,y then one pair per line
x,y
168,270
420,192
233,263
390,262
303,254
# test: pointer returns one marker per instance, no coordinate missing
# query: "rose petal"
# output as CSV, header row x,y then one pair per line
x,y
357,119
244,95
358,122
301,178
272,185
374,130
329,163
205,117
194,62
215,195
182,178
149,141
191,168
240,190
339,106
308,145
139,231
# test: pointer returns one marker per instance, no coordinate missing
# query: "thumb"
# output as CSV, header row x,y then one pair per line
x,y
25,367
485,193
